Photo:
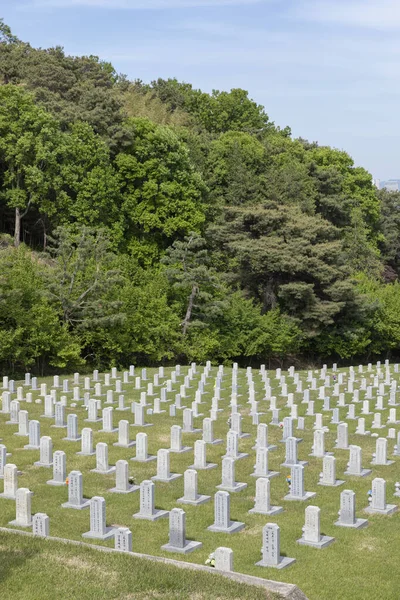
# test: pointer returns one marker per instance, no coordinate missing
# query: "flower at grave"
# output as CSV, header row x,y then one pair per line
x,y
369,494
67,481
131,480
397,486
281,424
210,562
288,480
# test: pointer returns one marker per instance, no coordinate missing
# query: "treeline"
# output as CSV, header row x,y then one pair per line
x,y
143,223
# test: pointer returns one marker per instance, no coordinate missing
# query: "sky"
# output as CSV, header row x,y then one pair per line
x,y
330,69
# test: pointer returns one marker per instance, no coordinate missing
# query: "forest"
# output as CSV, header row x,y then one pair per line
x,y
145,223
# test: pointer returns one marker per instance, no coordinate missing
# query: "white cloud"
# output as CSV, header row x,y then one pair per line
x,y
373,14
139,4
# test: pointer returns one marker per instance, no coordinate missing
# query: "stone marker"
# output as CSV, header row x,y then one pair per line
x,y
75,492
72,429
59,469
163,468
354,465
347,512
87,442
378,504
261,466
123,539
262,504
123,435
59,416
98,528
177,534
147,510
312,530
271,553
222,522
232,446
208,432
34,436
328,475
297,485
122,485
291,454
200,458
102,466
41,525
46,452
141,449
108,426
23,511
342,440
224,559
228,477
176,440
380,455
23,424
190,490
188,421
10,476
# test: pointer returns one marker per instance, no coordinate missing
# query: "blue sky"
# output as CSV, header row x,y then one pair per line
x,y
327,68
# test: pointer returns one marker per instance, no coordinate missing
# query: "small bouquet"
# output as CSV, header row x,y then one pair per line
x,y
210,562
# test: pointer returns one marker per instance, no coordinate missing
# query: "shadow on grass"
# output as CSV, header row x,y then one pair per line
x,y
12,558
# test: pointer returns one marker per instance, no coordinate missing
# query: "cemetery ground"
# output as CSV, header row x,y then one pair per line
x,y
361,564
35,569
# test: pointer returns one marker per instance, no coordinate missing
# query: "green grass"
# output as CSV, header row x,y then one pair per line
x,y
34,569
360,565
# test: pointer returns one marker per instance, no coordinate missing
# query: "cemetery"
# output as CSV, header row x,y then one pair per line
x,y
291,476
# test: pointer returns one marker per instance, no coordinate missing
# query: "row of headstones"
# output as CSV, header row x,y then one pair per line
x,y
178,543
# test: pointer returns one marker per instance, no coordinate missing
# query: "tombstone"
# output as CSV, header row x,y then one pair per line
x,y
59,416
261,466
122,485
10,476
354,466
102,466
147,510
190,495
396,451
41,525
380,455
328,475
163,467
123,539
72,429
318,448
46,452
222,521
378,502
200,459
262,503
342,440
228,477
223,559
14,411
262,438
297,485
361,427
23,424
287,429
208,433
351,416
59,469
271,553
236,425
177,534
3,459
93,412
75,492
98,528
141,449
140,416
347,512
291,454
275,417
23,511
232,446
312,530
377,423
108,426
123,435
86,442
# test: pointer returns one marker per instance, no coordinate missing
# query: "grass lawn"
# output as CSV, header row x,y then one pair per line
x,y
361,564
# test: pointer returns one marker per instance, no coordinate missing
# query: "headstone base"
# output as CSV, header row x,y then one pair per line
x,y
145,425
386,464
85,504
359,524
56,483
192,431
323,543
30,447
168,479
283,563
307,496
109,470
298,440
206,468
132,488
269,475
234,527
189,547
271,448
157,514
244,435
8,497
18,524
238,457
274,510
299,462
364,473
86,453
336,484
215,442
78,439
39,464
109,533
92,420
21,434
144,460
108,430
199,500
238,487
389,510
130,445
184,449
58,426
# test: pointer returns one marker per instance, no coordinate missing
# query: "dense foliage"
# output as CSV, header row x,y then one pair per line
x,y
153,222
